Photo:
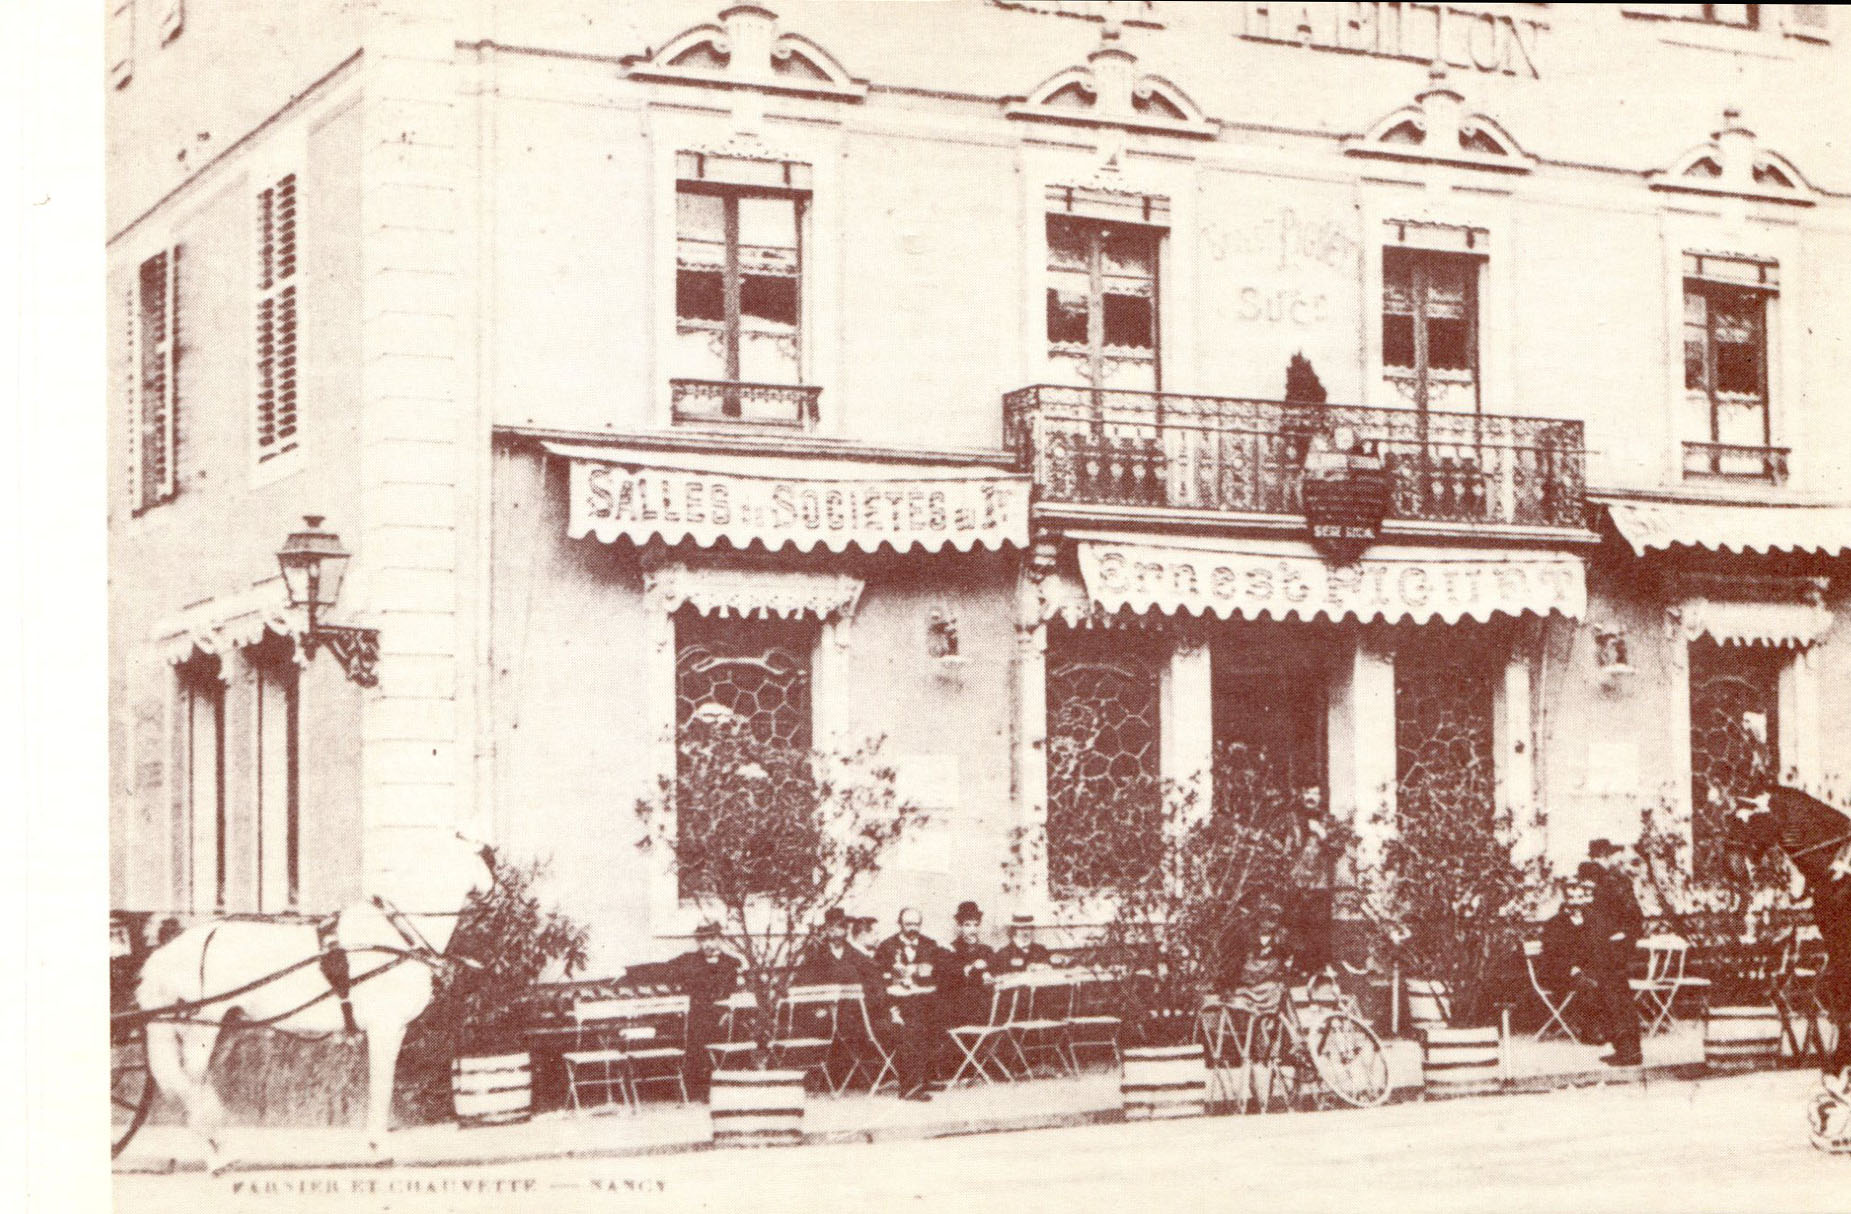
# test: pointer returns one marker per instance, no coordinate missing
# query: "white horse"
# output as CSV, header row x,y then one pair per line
x,y
392,955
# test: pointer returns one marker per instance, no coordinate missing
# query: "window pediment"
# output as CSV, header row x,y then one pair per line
x,y
747,49
1733,162
1436,128
1109,90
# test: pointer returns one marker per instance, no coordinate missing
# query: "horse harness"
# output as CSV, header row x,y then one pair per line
x,y
334,963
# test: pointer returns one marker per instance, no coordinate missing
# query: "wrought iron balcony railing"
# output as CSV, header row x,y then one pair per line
x,y
786,406
1104,447
1734,462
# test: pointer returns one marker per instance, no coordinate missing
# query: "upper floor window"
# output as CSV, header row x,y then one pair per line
x,y
1102,303
1430,326
1746,16
739,293
154,347
277,307
1726,367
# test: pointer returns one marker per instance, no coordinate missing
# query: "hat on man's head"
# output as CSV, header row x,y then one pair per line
x,y
1588,872
708,931
1021,919
968,913
1600,849
834,915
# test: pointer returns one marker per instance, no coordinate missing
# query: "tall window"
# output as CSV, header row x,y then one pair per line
x,y
1726,366
1102,303
277,306
739,292
202,759
1430,327
154,345
1105,803
1445,692
277,828
1734,737
754,671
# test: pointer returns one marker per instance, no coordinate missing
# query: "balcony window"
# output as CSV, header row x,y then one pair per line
x,y
1102,303
1430,327
1726,368
739,303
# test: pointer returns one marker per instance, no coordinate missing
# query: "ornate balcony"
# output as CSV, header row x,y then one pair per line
x,y
1734,462
1208,453
781,406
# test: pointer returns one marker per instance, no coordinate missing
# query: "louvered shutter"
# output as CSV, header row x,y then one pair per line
x,y
276,319
153,383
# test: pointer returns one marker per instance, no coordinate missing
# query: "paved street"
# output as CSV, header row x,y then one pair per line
x,y
1717,1144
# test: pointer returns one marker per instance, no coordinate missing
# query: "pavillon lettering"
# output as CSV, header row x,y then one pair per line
x,y
1465,38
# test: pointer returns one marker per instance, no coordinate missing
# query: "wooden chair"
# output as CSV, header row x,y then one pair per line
x,y
638,1041
1656,993
1092,1024
1556,1006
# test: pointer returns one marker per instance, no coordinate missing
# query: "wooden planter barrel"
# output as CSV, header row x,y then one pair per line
x,y
1735,1037
492,1091
1459,1062
756,1108
1428,1003
1164,1081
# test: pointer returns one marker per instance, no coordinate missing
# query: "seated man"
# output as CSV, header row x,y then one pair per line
x,y
832,961
707,976
1021,953
907,962
963,986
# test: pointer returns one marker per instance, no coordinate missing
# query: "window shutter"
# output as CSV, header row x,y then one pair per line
x,y
170,435
172,15
131,388
119,42
1812,21
277,258
153,371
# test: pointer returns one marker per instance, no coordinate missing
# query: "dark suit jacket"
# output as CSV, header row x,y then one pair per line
x,y
1566,947
891,952
706,984
821,968
1615,912
963,993
1013,960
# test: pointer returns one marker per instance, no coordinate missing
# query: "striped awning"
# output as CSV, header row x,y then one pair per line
x,y
1724,527
778,500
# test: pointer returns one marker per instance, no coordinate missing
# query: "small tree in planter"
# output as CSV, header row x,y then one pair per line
x,y
1451,903
765,837
483,1012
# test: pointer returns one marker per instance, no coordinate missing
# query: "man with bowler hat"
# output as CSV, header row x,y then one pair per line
x,y
1617,923
706,976
964,980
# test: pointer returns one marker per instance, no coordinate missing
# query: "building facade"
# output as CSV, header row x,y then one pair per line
x,y
1421,402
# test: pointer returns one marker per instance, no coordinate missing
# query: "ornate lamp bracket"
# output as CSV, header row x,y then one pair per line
x,y
356,649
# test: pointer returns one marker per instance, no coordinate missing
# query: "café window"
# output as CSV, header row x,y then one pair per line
x,y
1734,738
1102,302
739,254
1430,327
1729,431
751,673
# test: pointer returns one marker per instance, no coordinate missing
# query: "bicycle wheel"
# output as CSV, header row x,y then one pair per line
x,y
1350,1061
131,1090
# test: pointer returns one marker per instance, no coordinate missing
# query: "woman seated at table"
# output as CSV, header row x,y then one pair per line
x,y
1253,979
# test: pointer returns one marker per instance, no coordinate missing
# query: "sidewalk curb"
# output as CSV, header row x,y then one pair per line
x,y
1532,1085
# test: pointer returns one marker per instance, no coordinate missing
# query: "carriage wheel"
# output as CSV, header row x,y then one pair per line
x,y
131,1090
1350,1060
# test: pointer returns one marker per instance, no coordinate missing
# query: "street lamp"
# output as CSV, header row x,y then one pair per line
x,y
314,565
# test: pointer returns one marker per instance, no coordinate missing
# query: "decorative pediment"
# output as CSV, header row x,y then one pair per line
x,y
748,50
1437,128
1110,90
1733,162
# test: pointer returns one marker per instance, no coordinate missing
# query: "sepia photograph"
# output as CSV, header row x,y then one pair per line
x,y
980,604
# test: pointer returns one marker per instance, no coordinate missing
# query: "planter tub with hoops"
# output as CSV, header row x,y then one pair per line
x,y
1461,1061
1164,1081
756,1108
1735,1037
492,1091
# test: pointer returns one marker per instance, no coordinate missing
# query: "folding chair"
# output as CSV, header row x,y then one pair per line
x,y
592,1064
650,1035
870,1053
1656,993
1556,1007
979,1042
1793,989
1091,1026
1041,1016
805,1028
736,1049
1224,1049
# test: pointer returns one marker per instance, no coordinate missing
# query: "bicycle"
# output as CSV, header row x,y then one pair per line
x,y
1280,1047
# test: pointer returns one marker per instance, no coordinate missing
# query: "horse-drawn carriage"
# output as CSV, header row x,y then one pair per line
x,y
369,968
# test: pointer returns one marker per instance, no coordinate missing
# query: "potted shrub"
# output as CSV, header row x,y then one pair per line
x,y
468,1052
764,838
1453,906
